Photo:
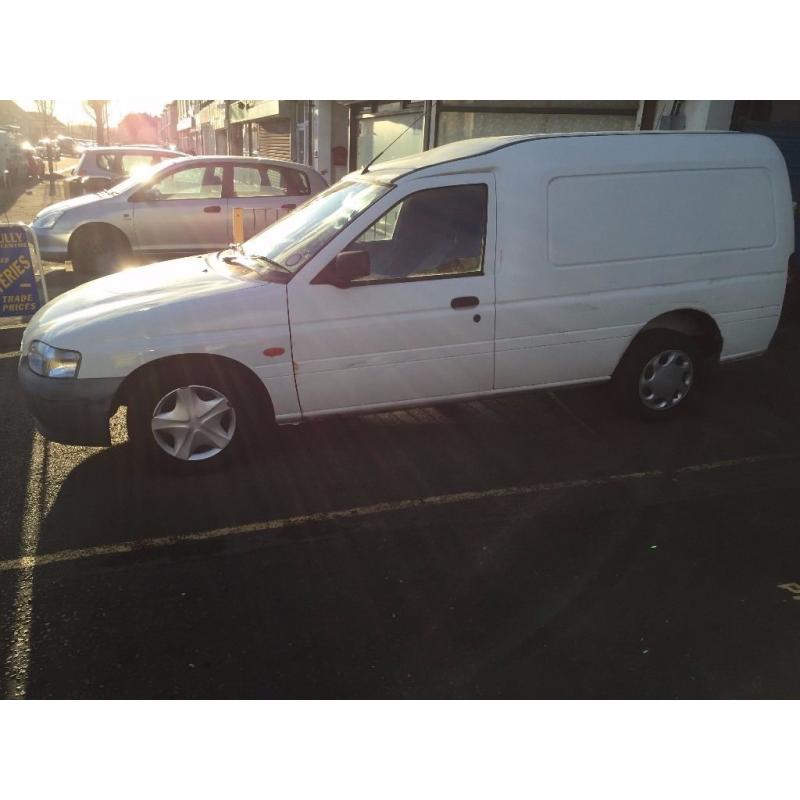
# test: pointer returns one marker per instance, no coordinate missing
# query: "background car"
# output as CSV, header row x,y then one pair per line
x,y
103,167
48,148
181,207
35,165
67,145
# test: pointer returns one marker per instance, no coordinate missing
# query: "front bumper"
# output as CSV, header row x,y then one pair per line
x,y
53,244
69,410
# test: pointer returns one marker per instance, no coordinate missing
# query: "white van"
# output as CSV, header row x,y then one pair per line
x,y
478,268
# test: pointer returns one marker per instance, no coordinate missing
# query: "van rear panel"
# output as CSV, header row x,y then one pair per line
x,y
599,235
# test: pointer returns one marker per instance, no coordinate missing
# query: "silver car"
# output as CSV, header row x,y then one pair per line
x,y
181,207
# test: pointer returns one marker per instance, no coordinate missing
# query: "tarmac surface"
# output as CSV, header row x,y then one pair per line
x,y
538,545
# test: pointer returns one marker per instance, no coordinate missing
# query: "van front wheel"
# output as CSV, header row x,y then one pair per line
x,y
190,422
658,375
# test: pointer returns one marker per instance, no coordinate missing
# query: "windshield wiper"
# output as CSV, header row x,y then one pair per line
x,y
242,257
269,262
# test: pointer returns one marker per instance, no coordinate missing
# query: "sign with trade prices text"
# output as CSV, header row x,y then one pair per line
x,y
19,294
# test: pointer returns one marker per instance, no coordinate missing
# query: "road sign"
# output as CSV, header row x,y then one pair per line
x,y
22,284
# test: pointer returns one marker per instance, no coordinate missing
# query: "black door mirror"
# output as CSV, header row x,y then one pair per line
x,y
348,266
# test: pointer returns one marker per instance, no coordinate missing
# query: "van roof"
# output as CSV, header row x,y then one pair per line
x,y
469,148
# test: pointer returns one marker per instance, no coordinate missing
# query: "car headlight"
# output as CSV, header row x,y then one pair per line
x,y
48,220
53,362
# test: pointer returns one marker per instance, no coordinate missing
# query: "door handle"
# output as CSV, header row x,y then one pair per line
x,y
212,209
464,302
289,206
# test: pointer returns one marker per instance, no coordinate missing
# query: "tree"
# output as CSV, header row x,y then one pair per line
x,y
45,108
98,111
138,128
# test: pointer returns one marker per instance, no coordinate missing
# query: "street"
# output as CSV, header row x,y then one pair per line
x,y
537,545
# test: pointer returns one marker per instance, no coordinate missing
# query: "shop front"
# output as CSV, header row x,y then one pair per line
x,y
411,126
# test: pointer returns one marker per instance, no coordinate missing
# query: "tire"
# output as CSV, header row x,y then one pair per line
x,y
218,436
98,250
658,375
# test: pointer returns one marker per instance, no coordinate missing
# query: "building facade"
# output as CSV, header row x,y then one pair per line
x,y
313,132
406,127
187,132
335,137
168,128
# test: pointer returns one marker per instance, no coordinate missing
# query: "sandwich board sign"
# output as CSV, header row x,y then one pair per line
x,y
22,285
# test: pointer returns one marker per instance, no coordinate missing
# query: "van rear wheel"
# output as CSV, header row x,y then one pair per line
x,y
657,377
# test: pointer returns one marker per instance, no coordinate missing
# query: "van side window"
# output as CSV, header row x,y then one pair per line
x,y
435,233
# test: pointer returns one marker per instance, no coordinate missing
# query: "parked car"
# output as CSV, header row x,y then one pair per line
x,y
479,268
47,149
67,145
182,206
103,167
34,164
18,161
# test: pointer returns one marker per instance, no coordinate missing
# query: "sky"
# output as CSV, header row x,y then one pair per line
x,y
72,111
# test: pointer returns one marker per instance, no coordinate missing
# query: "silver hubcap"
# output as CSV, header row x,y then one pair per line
x,y
193,423
666,380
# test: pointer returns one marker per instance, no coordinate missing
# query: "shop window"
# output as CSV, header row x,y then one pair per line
x,y
454,125
375,134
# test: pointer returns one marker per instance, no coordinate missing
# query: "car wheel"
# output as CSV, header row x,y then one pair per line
x,y
658,375
192,419
98,250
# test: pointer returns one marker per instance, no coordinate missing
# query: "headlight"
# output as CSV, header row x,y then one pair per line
x,y
48,220
53,362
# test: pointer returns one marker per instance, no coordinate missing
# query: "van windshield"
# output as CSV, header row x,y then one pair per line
x,y
294,239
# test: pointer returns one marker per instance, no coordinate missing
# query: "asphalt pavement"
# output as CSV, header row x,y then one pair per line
x,y
538,545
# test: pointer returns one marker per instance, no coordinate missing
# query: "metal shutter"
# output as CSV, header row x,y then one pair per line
x,y
275,139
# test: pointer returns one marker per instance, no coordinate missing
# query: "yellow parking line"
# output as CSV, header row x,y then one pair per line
x,y
31,561
9,355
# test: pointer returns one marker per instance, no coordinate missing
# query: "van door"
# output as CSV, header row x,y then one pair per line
x,y
420,326
266,192
186,212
